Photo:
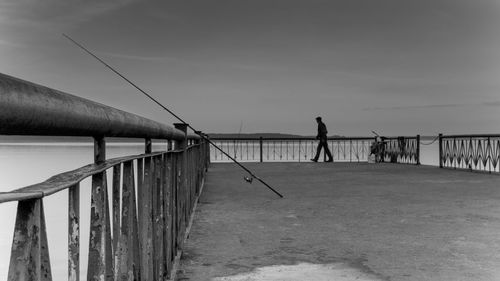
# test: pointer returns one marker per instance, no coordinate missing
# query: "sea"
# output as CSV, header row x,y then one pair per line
x,y
26,163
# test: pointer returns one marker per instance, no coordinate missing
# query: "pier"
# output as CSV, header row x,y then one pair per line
x,y
181,213
368,221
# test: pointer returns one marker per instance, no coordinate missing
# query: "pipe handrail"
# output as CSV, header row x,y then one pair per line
x,y
286,138
301,138
471,136
31,109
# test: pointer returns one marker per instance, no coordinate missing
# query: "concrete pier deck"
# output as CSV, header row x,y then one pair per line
x,y
360,221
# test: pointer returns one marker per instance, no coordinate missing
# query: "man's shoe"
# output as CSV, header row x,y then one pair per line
x,y
330,160
314,160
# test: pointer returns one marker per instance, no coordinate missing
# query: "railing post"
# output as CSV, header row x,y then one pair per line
x,y
350,150
115,195
324,151
29,258
127,254
207,153
74,233
261,148
99,150
169,200
200,160
440,150
158,218
100,265
148,145
145,211
299,150
418,150
182,187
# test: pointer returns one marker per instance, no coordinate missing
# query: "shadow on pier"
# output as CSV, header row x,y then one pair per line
x,y
366,221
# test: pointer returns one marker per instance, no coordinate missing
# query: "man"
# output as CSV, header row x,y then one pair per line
x,y
322,132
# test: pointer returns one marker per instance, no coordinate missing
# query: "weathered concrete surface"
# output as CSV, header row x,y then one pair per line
x,y
393,222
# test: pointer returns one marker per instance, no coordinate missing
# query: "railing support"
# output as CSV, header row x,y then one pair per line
x,y
100,266
74,233
418,150
145,215
440,150
99,150
261,148
148,144
127,254
29,259
182,188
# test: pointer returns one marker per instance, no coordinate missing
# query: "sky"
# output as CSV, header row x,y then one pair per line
x,y
398,67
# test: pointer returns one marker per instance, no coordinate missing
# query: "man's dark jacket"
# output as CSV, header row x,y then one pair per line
x,y
322,132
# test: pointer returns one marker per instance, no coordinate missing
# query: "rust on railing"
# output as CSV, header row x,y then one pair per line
x,y
145,234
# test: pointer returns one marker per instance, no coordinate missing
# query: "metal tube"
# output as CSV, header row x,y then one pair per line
x,y
30,109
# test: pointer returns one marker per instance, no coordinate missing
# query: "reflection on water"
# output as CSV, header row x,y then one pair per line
x,y
25,164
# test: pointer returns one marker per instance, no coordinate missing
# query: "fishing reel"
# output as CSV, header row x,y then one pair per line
x,y
248,179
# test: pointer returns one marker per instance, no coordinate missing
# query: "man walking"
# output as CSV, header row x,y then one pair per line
x,y
322,132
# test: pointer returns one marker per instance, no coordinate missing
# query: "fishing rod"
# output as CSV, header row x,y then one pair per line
x,y
252,175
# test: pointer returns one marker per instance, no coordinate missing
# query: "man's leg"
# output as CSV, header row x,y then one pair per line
x,y
318,151
328,153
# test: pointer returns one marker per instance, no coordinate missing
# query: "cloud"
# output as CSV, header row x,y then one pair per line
x,y
416,107
30,23
138,57
493,103
54,13
452,105
7,43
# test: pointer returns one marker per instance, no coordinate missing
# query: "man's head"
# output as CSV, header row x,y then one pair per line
x,y
318,119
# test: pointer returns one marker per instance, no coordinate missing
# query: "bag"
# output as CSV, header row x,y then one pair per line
x,y
371,158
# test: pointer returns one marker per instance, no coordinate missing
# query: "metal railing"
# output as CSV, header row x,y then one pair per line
x,y
470,152
402,150
348,149
144,234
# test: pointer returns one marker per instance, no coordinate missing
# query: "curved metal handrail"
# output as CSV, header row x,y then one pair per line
x,y
30,109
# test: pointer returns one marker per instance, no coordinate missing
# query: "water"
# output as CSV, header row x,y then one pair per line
x,y
29,163
429,154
